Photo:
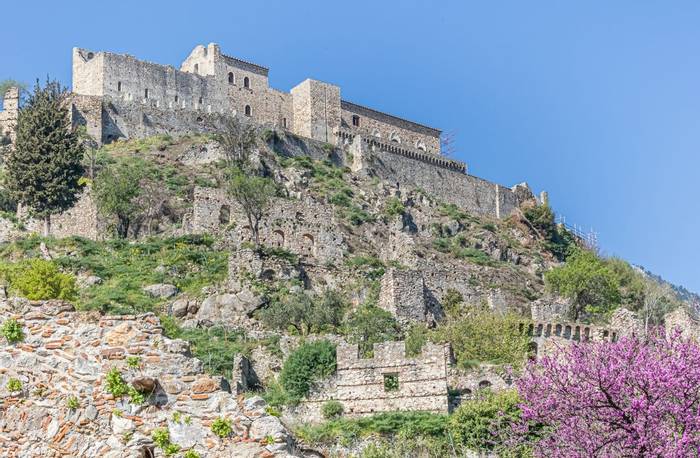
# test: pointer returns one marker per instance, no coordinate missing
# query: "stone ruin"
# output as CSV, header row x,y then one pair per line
x,y
9,115
66,354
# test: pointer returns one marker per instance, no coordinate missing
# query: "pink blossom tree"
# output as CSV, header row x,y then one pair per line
x,y
631,398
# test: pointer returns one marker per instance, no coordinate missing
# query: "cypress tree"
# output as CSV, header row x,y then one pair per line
x,y
44,167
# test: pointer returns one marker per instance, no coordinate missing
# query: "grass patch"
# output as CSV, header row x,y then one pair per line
x,y
188,262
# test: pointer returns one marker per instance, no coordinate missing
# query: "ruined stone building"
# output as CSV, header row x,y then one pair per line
x,y
9,115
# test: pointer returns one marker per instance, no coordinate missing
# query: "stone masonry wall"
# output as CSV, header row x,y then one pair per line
x,y
304,227
9,114
211,82
403,295
81,220
422,381
389,128
66,354
468,192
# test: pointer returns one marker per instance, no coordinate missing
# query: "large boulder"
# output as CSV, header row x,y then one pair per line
x,y
161,290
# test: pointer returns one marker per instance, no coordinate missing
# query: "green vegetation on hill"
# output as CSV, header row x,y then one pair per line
x,y
188,262
481,424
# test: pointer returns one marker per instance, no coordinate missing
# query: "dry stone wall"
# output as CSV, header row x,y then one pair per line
x,y
68,354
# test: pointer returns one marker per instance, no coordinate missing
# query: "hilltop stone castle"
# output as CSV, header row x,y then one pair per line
x,y
213,83
117,96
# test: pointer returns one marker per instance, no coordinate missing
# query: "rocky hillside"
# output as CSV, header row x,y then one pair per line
x,y
171,333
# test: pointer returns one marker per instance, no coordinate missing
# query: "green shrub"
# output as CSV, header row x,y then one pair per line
x,y
370,324
311,361
39,279
305,313
452,302
171,449
275,395
133,362
191,454
161,437
115,384
347,430
587,281
12,331
394,207
14,385
331,409
483,335
72,403
415,338
482,424
222,427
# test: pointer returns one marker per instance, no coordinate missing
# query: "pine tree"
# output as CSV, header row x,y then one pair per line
x,y
44,168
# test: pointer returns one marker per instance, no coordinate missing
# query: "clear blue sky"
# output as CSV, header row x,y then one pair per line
x,y
596,102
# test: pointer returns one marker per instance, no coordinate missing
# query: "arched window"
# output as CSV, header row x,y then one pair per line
x,y
484,384
176,98
196,68
246,82
284,123
230,78
119,86
248,111
200,100
355,120
145,93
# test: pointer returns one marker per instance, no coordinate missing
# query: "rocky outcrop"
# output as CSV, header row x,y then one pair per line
x,y
67,355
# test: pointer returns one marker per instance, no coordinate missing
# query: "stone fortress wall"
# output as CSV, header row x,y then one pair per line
x,y
118,96
211,82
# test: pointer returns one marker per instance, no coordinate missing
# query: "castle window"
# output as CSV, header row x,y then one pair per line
x,y
230,78
145,93
175,99
248,111
356,121
284,123
391,382
246,82
91,55
200,100
119,86
196,68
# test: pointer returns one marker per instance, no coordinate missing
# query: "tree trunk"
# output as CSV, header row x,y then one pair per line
x,y
47,225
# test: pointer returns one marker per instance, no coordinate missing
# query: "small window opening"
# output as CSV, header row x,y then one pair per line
x,y
175,98
247,110
119,86
230,78
196,68
284,122
356,121
484,384
224,214
145,93
246,82
200,100
391,382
